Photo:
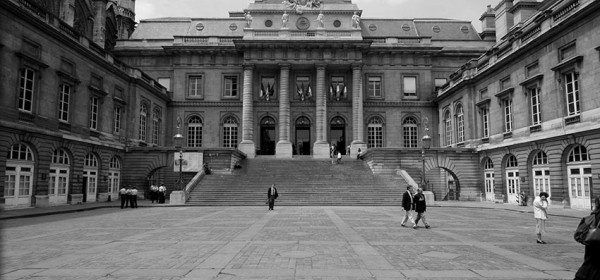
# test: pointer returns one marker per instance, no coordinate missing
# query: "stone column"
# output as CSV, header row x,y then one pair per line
x,y
247,145
284,146
321,147
357,111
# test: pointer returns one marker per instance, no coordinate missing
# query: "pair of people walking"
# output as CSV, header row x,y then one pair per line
x,y
414,202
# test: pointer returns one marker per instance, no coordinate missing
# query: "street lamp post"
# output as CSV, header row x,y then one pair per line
x,y
178,145
426,144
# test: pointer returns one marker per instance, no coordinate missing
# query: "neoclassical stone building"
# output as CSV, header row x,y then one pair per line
x,y
89,103
530,105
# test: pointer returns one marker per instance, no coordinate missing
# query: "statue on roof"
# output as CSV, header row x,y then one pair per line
x,y
300,5
248,18
356,20
321,20
284,20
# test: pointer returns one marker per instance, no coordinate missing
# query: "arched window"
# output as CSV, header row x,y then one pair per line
x,y
19,176
59,177
90,173
156,123
114,175
143,122
541,173
230,132
513,182
375,133
409,132
460,124
488,171
448,128
194,137
580,177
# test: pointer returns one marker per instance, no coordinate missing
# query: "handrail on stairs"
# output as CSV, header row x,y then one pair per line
x,y
193,183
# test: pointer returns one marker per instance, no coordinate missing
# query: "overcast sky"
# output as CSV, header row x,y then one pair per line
x,y
469,10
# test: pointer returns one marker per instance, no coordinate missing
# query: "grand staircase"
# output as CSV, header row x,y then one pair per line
x,y
300,181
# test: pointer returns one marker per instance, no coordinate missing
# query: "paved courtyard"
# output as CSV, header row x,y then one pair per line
x,y
289,243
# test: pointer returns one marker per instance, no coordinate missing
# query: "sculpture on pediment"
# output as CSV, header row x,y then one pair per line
x,y
321,20
300,5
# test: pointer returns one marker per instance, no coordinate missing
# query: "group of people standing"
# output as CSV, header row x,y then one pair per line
x,y
128,196
158,193
414,202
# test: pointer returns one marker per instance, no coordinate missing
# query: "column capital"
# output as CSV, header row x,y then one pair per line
x,y
285,65
248,66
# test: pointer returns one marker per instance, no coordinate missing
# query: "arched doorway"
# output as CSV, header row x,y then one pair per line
x,y
267,136
488,171
513,182
302,142
338,134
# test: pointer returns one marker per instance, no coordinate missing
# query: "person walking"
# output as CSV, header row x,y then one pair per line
x,y
339,157
134,193
590,269
408,205
271,196
420,208
154,193
123,197
540,206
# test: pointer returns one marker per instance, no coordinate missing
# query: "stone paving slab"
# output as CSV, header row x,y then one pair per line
x,y
295,243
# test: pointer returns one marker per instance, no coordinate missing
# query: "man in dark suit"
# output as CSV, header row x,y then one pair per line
x,y
420,208
271,196
408,205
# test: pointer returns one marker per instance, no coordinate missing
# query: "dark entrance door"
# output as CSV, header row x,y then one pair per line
x,y
302,143
267,136
338,134
85,188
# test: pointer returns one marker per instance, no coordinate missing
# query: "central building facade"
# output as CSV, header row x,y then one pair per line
x,y
301,77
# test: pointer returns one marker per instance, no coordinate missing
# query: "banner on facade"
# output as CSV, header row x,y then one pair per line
x,y
191,162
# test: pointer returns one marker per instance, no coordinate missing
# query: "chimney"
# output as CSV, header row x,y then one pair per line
x,y
522,10
504,19
99,22
488,25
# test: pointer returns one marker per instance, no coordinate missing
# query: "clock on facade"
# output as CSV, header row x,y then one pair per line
x,y
303,23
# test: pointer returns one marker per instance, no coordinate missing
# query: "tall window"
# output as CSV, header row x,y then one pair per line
x,y
64,98
143,122
485,121
117,120
410,86
94,109
195,86
90,173
156,122
507,107
230,133
513,182
448,128
541,173
375,133
194,137
536,115
19,175
26,88
59,174
374,87
460,124
231,86
409,132
580,177
488,170
572,93
114,175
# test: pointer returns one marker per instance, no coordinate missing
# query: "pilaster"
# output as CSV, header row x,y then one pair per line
x,y
321,147
357,111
